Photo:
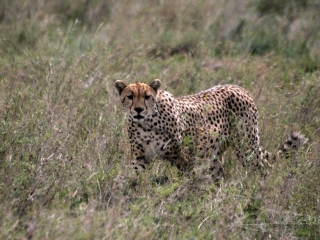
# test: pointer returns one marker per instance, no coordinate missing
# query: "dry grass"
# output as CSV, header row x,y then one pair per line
x,y
63,145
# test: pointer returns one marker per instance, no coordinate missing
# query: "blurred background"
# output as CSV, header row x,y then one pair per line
x,y
165,28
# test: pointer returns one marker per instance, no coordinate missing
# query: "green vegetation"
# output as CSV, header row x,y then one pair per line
x,y
63,148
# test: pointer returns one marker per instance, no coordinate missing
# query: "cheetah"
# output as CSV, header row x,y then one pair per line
x,y
212,120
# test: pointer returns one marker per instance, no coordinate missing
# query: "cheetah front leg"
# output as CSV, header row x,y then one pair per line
x,y
138,160
138,164
173,153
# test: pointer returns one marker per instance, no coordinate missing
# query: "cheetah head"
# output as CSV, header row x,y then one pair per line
x,y
139,99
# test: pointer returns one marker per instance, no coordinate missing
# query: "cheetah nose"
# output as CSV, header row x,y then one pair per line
x,y
138,110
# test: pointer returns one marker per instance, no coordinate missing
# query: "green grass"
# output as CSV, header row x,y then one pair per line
x,y
64,152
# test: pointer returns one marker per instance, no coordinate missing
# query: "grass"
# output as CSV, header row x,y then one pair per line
x,y
63,142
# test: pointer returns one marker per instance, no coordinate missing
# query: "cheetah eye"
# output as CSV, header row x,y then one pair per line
x,y
130,97
146,97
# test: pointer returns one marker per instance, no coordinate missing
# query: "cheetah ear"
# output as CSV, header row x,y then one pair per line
x,y
120,86
155,85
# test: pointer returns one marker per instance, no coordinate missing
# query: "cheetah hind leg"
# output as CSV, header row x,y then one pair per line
x,y
184,165
216,169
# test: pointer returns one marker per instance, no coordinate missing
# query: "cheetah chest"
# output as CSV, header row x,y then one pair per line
x,y
154,141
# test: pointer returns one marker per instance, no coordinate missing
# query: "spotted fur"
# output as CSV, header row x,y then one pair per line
x,y
161,126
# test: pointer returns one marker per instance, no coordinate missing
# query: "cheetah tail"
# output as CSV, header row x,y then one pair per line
x,y
294,142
